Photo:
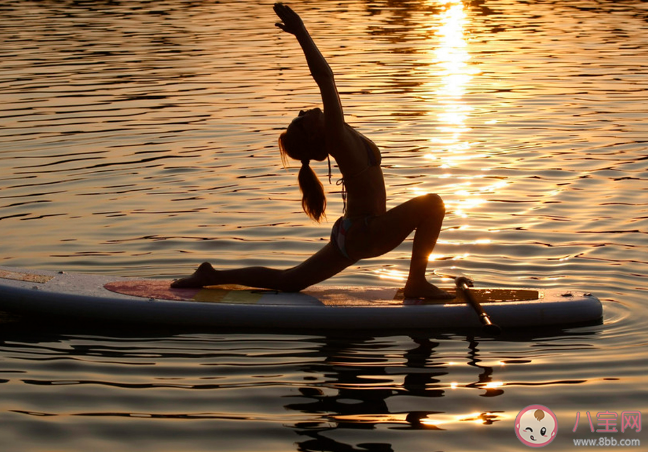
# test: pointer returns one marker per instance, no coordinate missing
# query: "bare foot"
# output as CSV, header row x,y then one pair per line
x,y
426,290
205,275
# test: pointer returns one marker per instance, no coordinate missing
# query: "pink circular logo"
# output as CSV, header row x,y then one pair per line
x,y
536,426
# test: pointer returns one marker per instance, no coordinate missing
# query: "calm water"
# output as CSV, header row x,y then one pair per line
x,y
139,138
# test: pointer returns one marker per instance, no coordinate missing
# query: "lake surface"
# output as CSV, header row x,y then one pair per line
x,y
139,138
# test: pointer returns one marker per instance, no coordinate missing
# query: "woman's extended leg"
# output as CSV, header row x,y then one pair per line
x,y
423,214
322,265
385,232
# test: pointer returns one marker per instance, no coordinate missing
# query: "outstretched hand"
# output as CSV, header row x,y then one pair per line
x,y
292,23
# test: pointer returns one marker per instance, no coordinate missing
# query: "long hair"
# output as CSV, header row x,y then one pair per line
x,y
313,197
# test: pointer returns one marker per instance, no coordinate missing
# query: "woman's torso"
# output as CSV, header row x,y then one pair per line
x,y
363,180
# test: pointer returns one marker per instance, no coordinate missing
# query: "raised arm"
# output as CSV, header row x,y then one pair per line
x,y
319,68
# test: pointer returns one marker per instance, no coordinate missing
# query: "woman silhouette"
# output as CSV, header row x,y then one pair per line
x,y
367,229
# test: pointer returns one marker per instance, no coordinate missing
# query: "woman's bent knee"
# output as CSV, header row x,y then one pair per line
x,y
432,202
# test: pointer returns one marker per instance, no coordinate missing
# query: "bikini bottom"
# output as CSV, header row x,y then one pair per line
x,y
343,226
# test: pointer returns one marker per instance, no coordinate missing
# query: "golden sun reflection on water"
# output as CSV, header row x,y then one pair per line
x,y
440,421
450,57
450,74
451,145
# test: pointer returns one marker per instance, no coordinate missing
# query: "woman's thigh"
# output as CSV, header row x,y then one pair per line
x,y
324,264
385,232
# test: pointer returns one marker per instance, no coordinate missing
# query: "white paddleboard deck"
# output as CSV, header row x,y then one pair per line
x,y
111,299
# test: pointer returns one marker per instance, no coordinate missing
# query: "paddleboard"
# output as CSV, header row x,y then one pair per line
x,y
114,300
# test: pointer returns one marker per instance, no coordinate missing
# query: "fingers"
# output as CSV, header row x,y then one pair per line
x,y
291,22
284,12
280,9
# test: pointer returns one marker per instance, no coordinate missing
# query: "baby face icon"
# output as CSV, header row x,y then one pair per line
x,y
536,426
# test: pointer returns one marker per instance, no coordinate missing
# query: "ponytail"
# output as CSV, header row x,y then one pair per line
x,y
313,198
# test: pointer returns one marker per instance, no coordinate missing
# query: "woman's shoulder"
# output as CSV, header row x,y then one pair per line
x,y
356,155
366,150
351,141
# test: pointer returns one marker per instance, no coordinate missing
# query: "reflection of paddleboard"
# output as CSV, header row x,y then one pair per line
x,y
117,300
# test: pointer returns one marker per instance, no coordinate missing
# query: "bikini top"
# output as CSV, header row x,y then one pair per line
x,y
373,161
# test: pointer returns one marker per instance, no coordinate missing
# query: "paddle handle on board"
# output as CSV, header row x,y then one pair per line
x,y
463,284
